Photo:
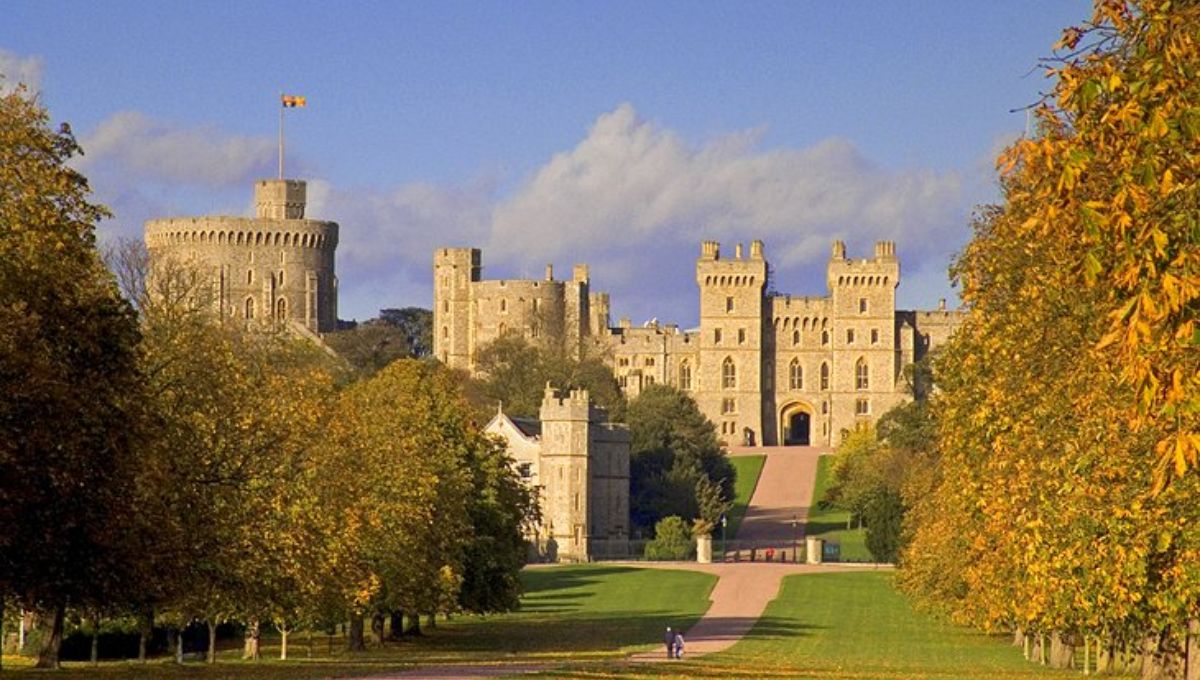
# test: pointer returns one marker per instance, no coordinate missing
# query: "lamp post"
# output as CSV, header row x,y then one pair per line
x,y
795,538
724,521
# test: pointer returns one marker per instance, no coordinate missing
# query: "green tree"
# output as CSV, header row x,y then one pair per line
x,y
69,383
674,450
395,334
672,540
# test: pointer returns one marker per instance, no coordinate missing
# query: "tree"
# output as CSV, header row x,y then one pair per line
x,y
674,450
396,334
672,540
68,381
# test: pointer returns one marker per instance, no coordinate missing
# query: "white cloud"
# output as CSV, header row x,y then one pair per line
x,y
139,148
17,69
631,184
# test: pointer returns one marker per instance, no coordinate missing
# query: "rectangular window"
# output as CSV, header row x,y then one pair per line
x,y
849,336
649,380
716,336
741,336
649,361
862,305
526,470
728,406
874,336
862,407
729,304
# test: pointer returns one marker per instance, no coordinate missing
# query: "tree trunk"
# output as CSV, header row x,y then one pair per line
x,y
283,636
48,655
396,625
354,637
1062,652
414,625
177,642
1105,658
2,633
145,630
212,641
431,621
1192,651
1018,637
1028,651
252,645
377,627
95,640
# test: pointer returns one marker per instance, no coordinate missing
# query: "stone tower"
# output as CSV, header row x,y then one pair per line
x,y
864,343
454,270
565,470
729,381
274,267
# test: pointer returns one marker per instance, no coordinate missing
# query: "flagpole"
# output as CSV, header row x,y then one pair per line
x,y
281,134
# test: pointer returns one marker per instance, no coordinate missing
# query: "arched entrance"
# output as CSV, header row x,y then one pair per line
x,y
796,422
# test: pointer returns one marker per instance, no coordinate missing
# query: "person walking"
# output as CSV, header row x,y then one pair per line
x,y
669,639
678,644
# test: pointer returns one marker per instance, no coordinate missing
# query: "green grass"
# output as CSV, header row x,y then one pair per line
x,y
849,626
573,613
830,523
749,468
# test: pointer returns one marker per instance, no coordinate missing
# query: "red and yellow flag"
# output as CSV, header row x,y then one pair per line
x,y
291,101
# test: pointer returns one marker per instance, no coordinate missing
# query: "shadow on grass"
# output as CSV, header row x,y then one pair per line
x,y
561,578
818,528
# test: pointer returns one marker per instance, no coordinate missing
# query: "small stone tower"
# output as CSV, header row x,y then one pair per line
x,y
732,331
565,471
275,267
454,270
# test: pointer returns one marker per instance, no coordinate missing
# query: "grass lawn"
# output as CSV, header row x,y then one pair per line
x,y
577,612
830,523
849,626
748,470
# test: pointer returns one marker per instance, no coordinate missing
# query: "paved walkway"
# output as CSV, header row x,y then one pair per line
x,y
743,589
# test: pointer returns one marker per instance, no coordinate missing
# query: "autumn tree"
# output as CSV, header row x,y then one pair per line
x,y
396,334
69,383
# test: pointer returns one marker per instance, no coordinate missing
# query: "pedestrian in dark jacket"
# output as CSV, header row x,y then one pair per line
x,y
669,639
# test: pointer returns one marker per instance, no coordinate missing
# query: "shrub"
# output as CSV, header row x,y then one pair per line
x,y
672,540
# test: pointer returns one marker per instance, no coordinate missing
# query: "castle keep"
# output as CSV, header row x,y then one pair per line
x,y
768,369
276,266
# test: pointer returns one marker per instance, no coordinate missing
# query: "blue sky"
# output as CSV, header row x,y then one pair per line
x,y
618,134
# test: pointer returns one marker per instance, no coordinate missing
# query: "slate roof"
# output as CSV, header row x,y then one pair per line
x,y
530,427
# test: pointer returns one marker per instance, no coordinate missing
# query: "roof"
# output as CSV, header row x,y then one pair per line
x,y
530,427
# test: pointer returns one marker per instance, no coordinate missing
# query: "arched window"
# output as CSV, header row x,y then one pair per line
x,y
445,332
824,376
795,375
249,276
861,374
249,308
281,309
503,328
503,305
685,376
728,374
795,337
824,337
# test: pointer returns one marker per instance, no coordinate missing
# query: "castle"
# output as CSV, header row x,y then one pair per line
x,y
275,266
580,465
768,369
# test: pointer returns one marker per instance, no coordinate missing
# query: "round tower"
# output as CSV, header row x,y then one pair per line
x,y
275,267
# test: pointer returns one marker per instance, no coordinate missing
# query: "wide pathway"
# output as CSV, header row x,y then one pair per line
x,y
779,507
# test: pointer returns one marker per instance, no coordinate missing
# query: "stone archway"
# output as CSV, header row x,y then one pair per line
x,y
795,424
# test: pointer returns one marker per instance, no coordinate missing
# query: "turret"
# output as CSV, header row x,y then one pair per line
x,y
280,199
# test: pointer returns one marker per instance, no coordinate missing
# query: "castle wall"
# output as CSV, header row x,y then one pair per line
x,y
261,268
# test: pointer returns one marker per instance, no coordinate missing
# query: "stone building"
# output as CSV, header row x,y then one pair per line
x,y
580,465
767,368
275,266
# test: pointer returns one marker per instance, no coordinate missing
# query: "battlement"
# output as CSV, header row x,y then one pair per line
x,y
711,250
881,270
574,405
280,199
240,231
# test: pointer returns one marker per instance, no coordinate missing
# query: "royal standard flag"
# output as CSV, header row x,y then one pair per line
x,y
291,101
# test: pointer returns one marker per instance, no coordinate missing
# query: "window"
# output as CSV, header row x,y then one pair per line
x,y
504,305
849,336
249,276
741,336
249,308
503,328
824,408
535,331
649,361
728,374
525,470
685,376
623,361
728,406
824,337
874,336
446,306
862,305
536,304
649,380
862,407
861,376
281,278
716,336
445,332
729,304
824,376
795,337
795,375
281,309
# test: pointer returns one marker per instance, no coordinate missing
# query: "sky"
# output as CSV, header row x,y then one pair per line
x,y
617,134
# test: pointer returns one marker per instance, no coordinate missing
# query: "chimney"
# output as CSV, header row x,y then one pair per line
x,y
549,272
